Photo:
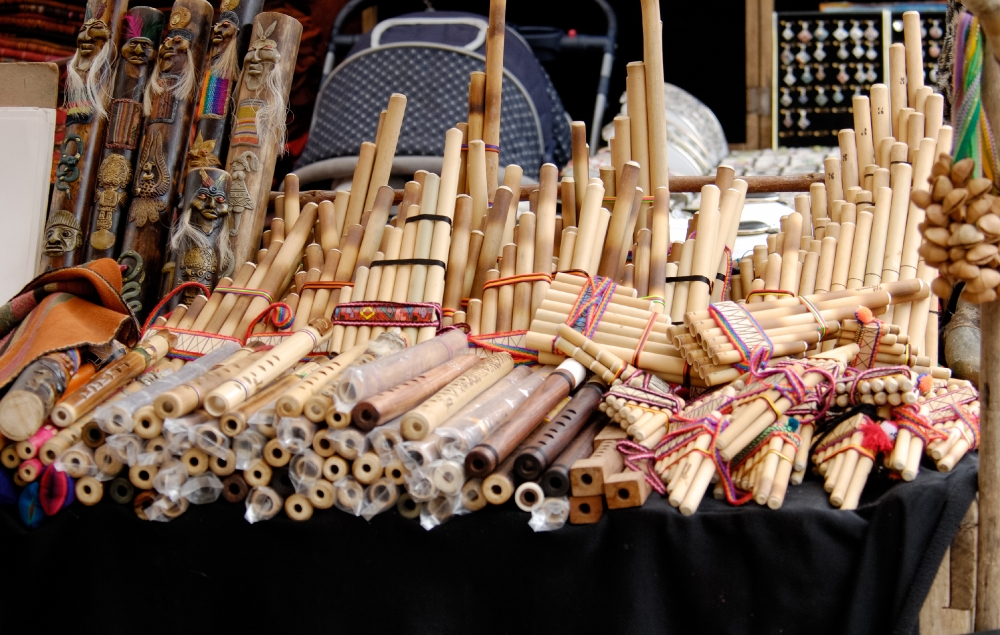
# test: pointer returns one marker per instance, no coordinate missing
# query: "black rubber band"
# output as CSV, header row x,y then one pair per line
x,y
408,261
721,277
689,279
435,217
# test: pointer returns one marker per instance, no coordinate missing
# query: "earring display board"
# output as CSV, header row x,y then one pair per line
x,y
932,30
821,62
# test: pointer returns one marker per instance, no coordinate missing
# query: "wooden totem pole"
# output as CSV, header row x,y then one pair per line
x,y
88,86
141,30
230,39
167,104
258,137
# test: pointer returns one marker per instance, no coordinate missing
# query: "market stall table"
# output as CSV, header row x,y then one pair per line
x,y
806,568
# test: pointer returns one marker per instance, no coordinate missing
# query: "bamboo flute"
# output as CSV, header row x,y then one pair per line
x,y
597,240
488,315
512,178
477,104
521,297
730,210
859,255
908,264
643,241
849,152
788,279
589,220
900,181
292,402
833,180
581,162
659,246
622,153
913,43
879,237
337,339
359,184
458,256
321,298
442,237
618,236
493,234
386,150
545,231
636,104
493,91
375,228
656,112
422,246
705,257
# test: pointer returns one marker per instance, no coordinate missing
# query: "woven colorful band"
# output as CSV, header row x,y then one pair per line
x,y
158,309
775,292
279,314
821,323
505,343
190,345
524,277
741,329
320,284
387,314
256,293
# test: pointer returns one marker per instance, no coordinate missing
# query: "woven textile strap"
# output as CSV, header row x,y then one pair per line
x,y
741,329
387,314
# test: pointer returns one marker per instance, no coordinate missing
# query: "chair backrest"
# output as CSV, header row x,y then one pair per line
x,y
428,58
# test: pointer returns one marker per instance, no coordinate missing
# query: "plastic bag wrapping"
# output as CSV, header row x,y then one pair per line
x,y
77,461
349,442
117,416
350,495
262,503
448,476
155,452
163,509
295,434
460,434
169,479
177,431
417,454
439,510
384,439
304,470
202,489
125,447
420,485
363,381
472,495
552,514
248,446
208,437
380,496
266,416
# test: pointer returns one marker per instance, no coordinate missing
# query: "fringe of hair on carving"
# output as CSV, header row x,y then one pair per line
x,y
92,87
180,90
187,235
227,64
270,118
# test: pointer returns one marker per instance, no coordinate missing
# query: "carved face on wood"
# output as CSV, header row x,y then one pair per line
x,y
261,59
62,234
210,203
138,51
173,54
89,42
222,34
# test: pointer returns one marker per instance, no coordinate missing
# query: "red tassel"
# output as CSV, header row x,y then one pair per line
x,y
875,438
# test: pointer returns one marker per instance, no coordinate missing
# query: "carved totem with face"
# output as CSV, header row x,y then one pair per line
x,y
200,240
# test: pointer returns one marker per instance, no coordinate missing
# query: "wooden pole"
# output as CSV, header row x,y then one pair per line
x,y
988,587
494,84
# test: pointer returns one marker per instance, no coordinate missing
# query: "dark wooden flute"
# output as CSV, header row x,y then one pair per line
x,y
483,459
545,444
555,481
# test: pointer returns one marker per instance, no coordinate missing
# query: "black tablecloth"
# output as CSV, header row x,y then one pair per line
x,y
806,568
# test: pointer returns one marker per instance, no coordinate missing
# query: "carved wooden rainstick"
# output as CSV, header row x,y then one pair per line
x,y
168,102
200,238
231,35
141,30
89,76
258,136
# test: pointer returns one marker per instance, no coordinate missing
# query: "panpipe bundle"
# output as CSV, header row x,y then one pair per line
x,y
464,342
